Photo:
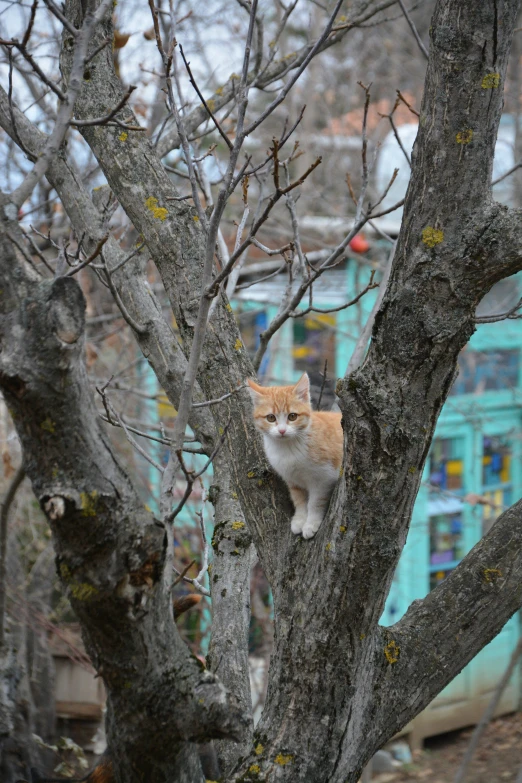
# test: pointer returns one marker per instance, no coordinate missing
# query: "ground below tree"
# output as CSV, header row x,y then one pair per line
x,y
498,758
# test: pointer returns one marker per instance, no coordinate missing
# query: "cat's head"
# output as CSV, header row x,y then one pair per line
x,y
282,412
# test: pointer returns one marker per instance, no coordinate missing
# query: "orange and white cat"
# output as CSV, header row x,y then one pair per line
x,y
303,446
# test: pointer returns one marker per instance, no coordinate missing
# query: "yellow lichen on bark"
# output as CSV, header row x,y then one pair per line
x,y
283,759
432,236
490,81
88,503
391,651
48,425
160,213
465,136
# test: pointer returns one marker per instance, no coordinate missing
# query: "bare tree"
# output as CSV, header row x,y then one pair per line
x,y
339,684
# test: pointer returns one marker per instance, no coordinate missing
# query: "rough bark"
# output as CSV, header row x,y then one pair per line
x,y
176,241
333,668
339,685
232,567
25,708
230,587
110,552
158,342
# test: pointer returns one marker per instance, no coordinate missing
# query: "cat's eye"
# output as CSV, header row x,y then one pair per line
x,y
270,417
292,416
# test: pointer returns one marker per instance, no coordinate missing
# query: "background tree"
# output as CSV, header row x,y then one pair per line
x,y
339,684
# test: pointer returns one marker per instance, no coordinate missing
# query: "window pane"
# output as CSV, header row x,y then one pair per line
x,y
496,479
446,541
496,461
481,371
436,578
446,464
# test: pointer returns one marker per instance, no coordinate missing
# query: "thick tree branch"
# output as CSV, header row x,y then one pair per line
x,y
159,344
178,244
439,635
66,107
5,505
111,553
230,588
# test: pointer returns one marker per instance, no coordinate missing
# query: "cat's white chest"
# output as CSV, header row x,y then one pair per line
x,y
290,458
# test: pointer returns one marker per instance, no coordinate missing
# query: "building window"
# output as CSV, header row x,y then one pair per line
x,y
496,479
446,479
446,545
446,464
314,343
481,371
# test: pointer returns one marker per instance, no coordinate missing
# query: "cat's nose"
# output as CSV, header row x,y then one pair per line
x,y
282,430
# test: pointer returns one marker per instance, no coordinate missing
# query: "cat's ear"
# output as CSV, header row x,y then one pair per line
x,y
256,391
302,388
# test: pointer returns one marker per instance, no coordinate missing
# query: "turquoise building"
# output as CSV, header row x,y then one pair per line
x,y
473,471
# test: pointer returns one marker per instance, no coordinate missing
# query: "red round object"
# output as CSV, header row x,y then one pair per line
x,y
359,244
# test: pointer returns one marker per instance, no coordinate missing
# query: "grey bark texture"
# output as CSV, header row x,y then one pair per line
x,y
109,549
339,684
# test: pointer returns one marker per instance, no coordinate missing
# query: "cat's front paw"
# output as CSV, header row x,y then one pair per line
x,y
310,529
297,524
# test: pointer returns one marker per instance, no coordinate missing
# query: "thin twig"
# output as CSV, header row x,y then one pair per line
x,y
410,107
396,132
61,17
11,110
203,101
261,279
36,249
414,29
95,253
491,319
98,49
387,189
332,260
219,399
25,39
22,251
115,415
288,86
256,226
191,477
66,107
182,574
360,347
135,326
135,431
106,119
353,301
507,174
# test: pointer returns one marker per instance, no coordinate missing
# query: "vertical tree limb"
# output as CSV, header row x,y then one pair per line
x,y
4,518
